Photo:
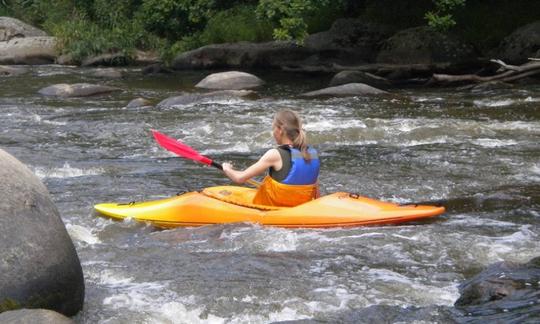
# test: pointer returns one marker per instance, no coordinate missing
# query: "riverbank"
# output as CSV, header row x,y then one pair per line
x,y
377,53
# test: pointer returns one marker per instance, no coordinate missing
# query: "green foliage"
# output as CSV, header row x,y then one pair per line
x,y
288,17
234,25
441,19
82,38
90,27
174,19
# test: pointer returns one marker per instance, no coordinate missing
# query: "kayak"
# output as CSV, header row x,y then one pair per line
x,y
233,204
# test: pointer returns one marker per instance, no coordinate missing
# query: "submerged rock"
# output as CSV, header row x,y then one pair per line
x,y
350,89
139,102
190,98
39,265
76,90
32,316
12,71
504,291
108,73
345,77
232,80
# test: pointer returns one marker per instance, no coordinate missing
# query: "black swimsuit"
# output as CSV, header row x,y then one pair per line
x,y
282,174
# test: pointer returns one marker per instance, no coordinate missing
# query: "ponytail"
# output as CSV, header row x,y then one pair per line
x,y
292,125
300,142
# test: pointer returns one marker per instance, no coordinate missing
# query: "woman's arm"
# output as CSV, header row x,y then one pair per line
x,y
270,159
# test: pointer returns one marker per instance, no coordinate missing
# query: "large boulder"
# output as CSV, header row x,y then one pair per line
x,y
39,265
12,28
76,90
505,285
349,40
522,44
346,90
422,45
33,316
190,98
232,80
242,54
28,50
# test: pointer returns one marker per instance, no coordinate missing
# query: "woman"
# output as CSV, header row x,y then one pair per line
x,y
293,167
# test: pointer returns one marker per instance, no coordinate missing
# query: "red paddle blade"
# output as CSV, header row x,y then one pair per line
x,y
181,149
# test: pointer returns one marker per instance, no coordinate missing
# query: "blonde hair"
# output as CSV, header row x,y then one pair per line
x,y
290,123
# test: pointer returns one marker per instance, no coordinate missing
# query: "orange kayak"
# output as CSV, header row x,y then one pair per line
x,y
231,204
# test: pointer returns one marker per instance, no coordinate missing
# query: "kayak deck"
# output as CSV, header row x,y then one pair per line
x,y
231,204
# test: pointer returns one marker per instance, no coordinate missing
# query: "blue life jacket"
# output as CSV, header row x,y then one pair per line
x,y
303,172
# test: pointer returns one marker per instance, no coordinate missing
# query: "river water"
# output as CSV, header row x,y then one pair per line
x,y
476,152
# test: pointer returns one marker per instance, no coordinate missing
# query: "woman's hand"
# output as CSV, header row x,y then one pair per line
x,y
227,166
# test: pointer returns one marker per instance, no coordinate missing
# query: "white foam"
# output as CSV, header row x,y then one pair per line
x,y
241,147
332,124
493,103
490,142
39,119
66,171
416,292
83,234
265,239
175,312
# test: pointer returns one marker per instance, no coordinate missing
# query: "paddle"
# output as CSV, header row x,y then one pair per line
x,y
185,151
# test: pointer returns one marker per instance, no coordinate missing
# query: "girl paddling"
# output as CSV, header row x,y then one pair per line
x,y
293,167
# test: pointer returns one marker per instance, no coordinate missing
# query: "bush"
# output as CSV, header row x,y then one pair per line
x,y
234,25
82,38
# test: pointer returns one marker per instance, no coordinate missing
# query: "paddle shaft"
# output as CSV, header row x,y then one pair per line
x,y
250,181
188,152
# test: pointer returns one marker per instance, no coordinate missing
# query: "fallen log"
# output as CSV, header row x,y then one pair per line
x,y
511,73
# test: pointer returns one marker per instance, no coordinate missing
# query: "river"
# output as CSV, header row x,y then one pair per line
x,y
478,152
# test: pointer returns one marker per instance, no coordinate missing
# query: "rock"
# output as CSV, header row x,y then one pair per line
x,y
232,80
187,99
139,102
108,59
28,50
395,314
351,89
422,45
503,286
349,40
12,71
65,59
32,316
155,69
39,265
109,73
491,86
145,58
12,28
523,43
76,90
242,54
345,77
